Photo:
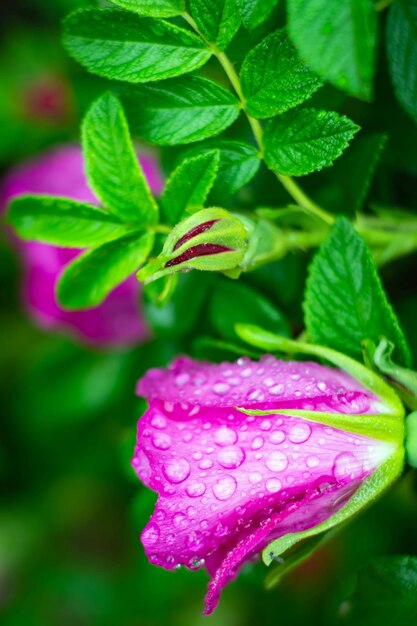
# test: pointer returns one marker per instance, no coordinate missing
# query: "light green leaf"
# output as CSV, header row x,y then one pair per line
x,y
180,111
239,162
302,141
255,12
402,52
273,77
188,186
111,165
63,222
345,303
338,41
92,276
386,593
152,8
120,45
217,20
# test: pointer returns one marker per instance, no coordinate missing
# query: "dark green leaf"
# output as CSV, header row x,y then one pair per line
x,y
234,303
120,45
89,279
402,52
306,140
217,20
63,222
180,111
111,165
153,8
255,12
188,186
338,40
273,77
386,593
345,302
239,163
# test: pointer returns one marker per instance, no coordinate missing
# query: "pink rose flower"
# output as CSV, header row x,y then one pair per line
x,y
118,320
229,483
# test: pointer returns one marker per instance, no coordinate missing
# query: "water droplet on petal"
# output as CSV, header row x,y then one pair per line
x,y
277,436
276,461
196,489
313,461
176,470
180,520
255,477
224,488
257,443
150,535
231,457
225,436
300,433
265,425
205,464
161,441
221,388
158,421
195,541
277,390
345,466
273,485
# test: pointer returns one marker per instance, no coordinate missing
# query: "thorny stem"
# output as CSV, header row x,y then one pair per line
x,y
287,182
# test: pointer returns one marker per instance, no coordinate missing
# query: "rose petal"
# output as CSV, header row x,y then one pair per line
x,y
118,319
229,483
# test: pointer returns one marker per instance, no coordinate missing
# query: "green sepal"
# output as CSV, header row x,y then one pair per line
x,y
411,439
371,489
300,553
260,338
403,379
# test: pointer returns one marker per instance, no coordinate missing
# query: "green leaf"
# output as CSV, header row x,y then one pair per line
x,y
92,276
386,593
63,222
273,77
239,162
233,303
306,140
255,12
402,52
217,20
180,111
338,40
120,45
152,8
188,186
111,164
345,302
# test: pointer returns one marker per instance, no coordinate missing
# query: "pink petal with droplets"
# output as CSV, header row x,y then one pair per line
x,y
118,320
229,483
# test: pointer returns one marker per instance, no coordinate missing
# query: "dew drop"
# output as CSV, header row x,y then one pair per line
x,y
221,388
231,457
257,443
196,489
180,520
276,461
345,466
225,436
224,488
158,421
205,464
195,541
273,485
182,379
161,441
265,425
197,456
277,436
150,534
277,390
176,470
313,461
246,372
255,477
299,433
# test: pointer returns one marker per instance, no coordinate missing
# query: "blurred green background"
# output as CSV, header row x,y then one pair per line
x,y
71,509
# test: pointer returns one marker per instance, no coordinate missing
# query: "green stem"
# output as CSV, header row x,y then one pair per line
x,y
300,197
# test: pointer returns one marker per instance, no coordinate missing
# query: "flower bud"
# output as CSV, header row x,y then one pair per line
x,y
211,240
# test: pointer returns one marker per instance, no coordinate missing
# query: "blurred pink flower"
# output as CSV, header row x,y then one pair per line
x,y
229,483
118,320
